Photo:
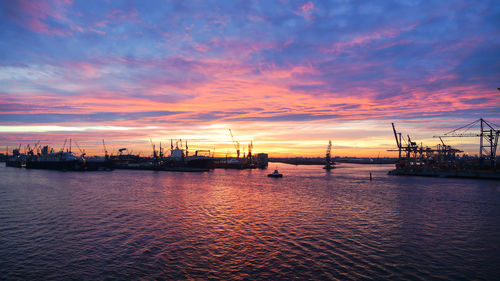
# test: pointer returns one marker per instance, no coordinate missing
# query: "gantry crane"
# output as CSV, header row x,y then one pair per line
x,y
488,138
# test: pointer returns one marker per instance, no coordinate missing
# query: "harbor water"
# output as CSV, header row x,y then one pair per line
x,y
311,224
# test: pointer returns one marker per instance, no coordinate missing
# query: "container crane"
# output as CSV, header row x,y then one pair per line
x,y
488,138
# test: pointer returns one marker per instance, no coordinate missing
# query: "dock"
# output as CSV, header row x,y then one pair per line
x,y
444,160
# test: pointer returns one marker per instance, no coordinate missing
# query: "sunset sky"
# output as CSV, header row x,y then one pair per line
x,y
289,75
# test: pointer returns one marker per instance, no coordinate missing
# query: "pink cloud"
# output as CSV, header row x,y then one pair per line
x,y
307,7
34,15
232,92
306,10
97,31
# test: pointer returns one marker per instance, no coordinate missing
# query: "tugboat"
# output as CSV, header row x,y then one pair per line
x,y
275,174
329,163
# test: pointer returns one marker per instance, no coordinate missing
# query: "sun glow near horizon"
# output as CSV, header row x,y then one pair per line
x,y
289,76
278,140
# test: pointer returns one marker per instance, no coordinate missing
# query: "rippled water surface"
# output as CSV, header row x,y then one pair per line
x,y
240,224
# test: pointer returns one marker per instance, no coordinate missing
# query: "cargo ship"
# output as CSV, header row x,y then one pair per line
x,y
179,160
65,160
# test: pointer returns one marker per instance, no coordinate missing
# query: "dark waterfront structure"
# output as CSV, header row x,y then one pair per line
x,y
444,160
38,157
321,160
262,160
178,160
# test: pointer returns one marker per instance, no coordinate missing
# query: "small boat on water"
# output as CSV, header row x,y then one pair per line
x,y
275,174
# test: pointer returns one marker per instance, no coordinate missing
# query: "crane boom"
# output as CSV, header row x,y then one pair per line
x,y
395,135
459,136
236,144
105,149
64,145
441,140
81,150
154,148
232,138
